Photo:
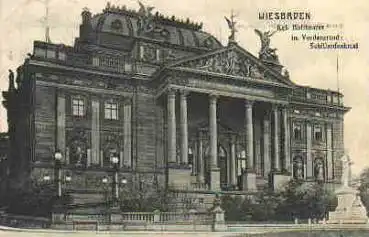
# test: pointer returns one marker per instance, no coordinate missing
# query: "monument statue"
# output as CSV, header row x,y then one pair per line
x,y
232,27
266,52
350,209
346,170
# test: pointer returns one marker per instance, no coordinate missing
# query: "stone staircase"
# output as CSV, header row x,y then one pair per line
x,y
183,201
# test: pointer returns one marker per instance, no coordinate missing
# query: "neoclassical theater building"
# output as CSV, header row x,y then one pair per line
x,y
174,105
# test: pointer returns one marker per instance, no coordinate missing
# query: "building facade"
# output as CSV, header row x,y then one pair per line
x,y
175,106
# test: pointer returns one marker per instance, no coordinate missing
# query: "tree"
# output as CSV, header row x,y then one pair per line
x,y
35,200
364,187
145,199
304,200
237,208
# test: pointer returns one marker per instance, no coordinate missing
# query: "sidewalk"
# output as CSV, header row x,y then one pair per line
x,y
8,231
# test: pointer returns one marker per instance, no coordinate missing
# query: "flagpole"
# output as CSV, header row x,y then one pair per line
x,y
337,78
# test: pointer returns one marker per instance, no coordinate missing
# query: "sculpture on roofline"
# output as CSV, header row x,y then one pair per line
x,y
146,22
266,52
232,27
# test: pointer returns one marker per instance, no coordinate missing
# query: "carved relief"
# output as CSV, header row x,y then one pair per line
x,y
228,62
149,53
116,25
78,145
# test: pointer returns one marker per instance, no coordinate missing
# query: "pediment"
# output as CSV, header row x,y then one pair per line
x,y
232,61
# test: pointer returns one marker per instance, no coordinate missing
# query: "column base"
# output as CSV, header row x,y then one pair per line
x,y
115,215
179,178
215,179
249,181
278,180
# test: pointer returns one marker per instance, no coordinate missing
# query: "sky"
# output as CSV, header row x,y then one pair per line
x,y
22,21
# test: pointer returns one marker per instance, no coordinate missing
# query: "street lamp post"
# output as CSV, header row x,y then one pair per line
x,y
58,157
115,187
58,174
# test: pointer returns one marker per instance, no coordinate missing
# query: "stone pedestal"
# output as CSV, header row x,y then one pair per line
x,y
57,217
115,215
215,179
249,181
350,209
179,178
278,180
218,219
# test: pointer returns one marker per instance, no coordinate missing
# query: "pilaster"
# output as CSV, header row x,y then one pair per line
x,y
127,125
61,124
95,132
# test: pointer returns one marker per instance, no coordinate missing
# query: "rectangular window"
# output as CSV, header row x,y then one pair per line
x,y
297,134
111,110
78,107
318,134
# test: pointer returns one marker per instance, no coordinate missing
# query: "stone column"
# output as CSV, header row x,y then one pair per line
x,y
249,135
233,171
213,131
194,158
184,127
61,125
249,177
215,174
95,132
329,153
127,154
171,108
309,161
266,145
277,165
286,143
200,159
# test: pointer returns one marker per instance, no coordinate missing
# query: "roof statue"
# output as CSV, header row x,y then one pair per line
x,y
146,22
232,27
266,52
11,80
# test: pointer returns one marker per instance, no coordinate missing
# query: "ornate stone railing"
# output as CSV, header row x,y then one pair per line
x,y
198,186
138,217
317,96
24,221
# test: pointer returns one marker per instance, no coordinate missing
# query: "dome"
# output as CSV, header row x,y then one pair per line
x,y
128,23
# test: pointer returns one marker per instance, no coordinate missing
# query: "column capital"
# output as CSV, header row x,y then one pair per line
x,y
213,97
249,103
184,93
276,107
266,115
233,138
171,92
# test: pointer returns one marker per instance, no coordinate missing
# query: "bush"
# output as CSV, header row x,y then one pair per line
x,y
298,200
37,200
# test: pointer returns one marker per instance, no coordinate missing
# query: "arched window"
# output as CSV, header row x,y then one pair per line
x,y
242,162
298,167
222,152
297,134
319,173
190,156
